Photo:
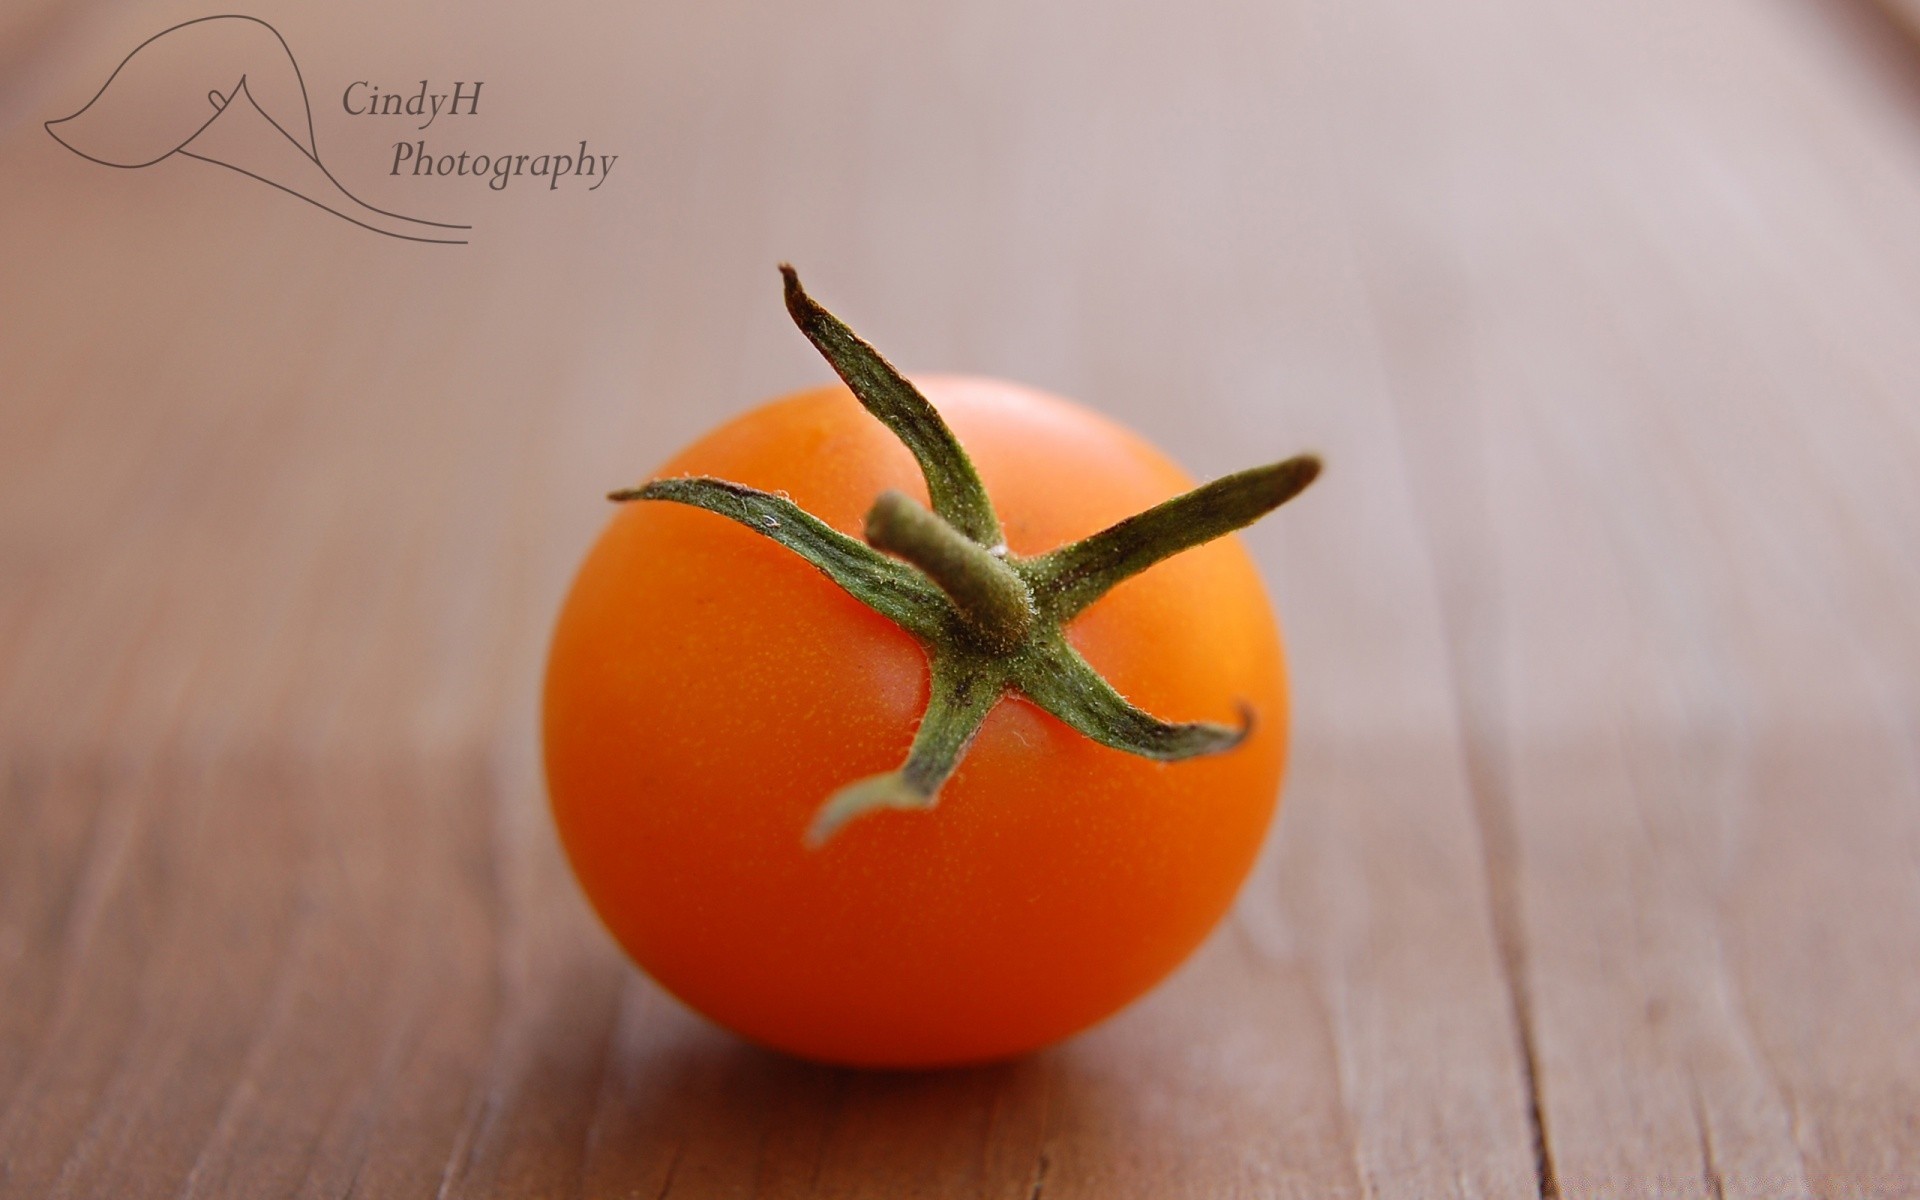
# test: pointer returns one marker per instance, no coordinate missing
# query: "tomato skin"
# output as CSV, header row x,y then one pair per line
x,y
707,690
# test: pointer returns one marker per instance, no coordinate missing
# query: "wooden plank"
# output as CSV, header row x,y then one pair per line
x,y
259,993
1664,483
284,513
310,582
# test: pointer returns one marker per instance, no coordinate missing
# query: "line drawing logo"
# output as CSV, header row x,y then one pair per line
x,y
155,105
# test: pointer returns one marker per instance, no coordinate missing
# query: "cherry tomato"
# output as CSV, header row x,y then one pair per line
x,y
707,689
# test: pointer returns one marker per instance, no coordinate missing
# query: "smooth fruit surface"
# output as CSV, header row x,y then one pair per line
x,y
707,689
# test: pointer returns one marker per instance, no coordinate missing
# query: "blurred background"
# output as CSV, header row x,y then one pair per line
x,y
1599,867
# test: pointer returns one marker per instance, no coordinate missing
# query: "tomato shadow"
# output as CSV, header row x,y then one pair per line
x,y
686,1108
1207,1078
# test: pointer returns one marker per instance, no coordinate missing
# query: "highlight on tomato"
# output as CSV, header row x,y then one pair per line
x,y
909,726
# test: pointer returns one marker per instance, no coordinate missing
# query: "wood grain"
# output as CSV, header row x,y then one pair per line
x,y
1599,869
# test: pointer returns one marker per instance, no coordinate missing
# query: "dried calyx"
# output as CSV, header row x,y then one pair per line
x,y
989,621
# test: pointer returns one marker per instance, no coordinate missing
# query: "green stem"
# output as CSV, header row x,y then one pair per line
x,y
985,591
892,589
1067,686
962,691
1074,576
987,620
954,487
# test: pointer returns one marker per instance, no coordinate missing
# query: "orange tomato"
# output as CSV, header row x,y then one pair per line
x,y
707,689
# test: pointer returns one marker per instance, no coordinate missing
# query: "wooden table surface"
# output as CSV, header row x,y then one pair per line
x,y
1598,872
